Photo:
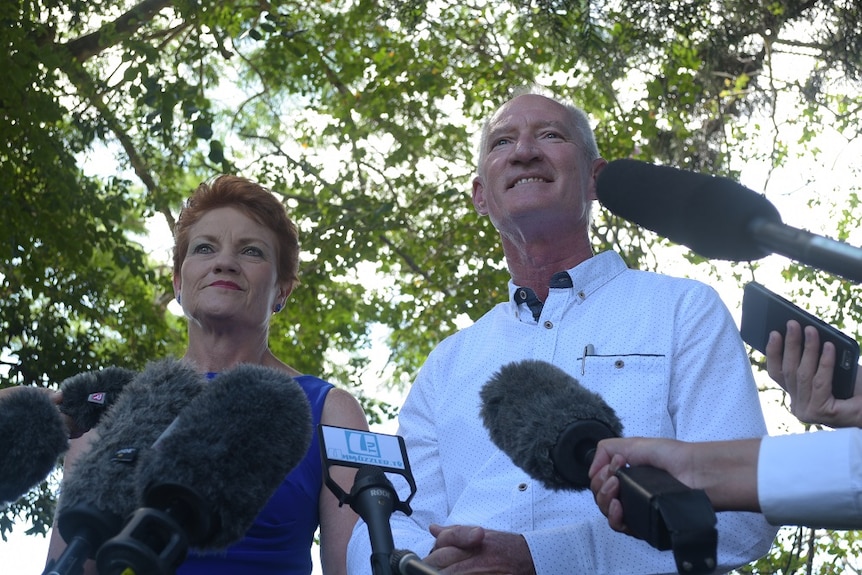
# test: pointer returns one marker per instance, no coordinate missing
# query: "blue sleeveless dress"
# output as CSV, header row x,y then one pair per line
x,y
279,541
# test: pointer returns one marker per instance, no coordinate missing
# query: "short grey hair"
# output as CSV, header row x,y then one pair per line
x,y
580,123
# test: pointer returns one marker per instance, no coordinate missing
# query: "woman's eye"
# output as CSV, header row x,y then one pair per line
x,y
253,251
202,249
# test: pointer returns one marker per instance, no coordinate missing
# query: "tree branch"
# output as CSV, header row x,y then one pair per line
x,y
111,33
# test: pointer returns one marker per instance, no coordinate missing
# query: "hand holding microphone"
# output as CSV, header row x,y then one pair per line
x,y
552,434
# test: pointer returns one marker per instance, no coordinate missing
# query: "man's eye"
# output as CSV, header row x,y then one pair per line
x,y
500,142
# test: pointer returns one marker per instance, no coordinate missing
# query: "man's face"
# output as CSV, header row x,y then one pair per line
x,y
535,169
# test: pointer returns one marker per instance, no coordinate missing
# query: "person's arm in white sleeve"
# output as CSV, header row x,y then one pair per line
x,y
812,479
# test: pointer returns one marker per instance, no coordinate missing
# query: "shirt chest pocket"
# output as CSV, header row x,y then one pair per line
x,y
636,387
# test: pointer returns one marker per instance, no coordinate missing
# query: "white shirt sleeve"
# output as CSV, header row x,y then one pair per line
x,y
812,479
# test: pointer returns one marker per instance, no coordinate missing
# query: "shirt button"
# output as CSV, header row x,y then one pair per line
x,y
522,487
582,295
619,364
549,325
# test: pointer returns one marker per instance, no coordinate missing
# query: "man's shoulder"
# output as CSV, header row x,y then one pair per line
x,y
610,264
666,281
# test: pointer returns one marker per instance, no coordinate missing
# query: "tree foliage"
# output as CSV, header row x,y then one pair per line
x,y
362,116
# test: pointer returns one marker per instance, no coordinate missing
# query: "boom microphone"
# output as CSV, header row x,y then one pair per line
x,y
33,438
88,395
552,434
716,217
209,475
102,491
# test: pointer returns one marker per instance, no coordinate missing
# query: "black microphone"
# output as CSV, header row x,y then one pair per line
x,y
552,433
88,395
374,498
404,562
33,436
716,217
208,476
98,496
36,433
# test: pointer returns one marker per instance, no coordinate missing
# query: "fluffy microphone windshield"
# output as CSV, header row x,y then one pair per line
x,y
233,446
88,395
32,437
105,475
528,405
709,214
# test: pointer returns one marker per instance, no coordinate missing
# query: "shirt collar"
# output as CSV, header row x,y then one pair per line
x,y
585,278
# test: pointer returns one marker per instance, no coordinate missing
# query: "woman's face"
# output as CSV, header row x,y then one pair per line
x,y
229,270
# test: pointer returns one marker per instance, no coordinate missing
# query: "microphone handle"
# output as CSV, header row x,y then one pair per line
x,y
73,557
373,498
406,562
376,516
811,249
667,514
85,528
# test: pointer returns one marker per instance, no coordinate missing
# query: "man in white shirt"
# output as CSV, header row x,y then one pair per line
x,y
812,479
663,352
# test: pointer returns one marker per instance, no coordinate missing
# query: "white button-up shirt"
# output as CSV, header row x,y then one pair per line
x,y
663,352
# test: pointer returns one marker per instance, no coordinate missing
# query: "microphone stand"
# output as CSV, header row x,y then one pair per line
x,y
373,497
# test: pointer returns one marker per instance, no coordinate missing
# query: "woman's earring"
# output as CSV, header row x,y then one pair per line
x,y
277,308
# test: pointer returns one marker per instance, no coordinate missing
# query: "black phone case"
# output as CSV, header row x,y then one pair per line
x,y
764,311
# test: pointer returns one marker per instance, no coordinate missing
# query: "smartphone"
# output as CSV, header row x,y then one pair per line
x,y
764,311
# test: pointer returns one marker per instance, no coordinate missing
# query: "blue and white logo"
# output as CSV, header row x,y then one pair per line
x,y
356,447
361,443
